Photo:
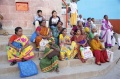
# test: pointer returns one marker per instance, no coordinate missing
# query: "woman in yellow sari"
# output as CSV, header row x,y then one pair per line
x,y
18,48
43,32
68,48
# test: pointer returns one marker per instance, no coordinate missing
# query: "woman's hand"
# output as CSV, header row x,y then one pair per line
x,y
103,49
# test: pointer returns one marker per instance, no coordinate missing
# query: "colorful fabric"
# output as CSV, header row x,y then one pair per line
x,y
70,51
34,35
47,64
73,19
106,32
100,56
44,31
87,30
55,34
81,39
27,53
96,45
27,68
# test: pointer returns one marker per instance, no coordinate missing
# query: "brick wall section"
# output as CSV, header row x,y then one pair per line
x,y
24,19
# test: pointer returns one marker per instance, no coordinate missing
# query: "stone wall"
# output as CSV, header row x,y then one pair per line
x,y
24,19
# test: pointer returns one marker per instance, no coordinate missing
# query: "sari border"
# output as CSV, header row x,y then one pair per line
x,y
46,69
47,53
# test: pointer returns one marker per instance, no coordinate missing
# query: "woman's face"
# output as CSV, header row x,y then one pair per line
x,y
54,14
78,32
59,24
19,33
64,32
97,37
94,30
43,23
89,23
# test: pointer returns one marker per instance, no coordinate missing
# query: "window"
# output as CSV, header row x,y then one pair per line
x,y
22,6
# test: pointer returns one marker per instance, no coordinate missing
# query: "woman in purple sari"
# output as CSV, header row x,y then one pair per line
x,y
106,31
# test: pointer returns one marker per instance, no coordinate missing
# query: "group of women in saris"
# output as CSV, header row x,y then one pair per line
x,y
60,46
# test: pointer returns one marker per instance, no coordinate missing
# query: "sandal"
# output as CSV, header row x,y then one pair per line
x,y
13,63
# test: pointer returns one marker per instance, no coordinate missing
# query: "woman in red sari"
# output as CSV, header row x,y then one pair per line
x,y
79,26
98,50
81,41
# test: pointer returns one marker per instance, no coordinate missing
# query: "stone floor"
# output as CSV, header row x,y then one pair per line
x,y
113,74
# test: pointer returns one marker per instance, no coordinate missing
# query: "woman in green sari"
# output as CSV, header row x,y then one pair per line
x,y
50,60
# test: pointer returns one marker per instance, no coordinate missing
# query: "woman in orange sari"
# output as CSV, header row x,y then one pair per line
x,y
43,32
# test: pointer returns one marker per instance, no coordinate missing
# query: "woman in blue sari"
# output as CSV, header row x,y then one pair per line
x,y
56,31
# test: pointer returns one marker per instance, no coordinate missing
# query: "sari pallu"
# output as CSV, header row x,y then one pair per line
x,y
55,34
20,42
80,40
48,64
106,32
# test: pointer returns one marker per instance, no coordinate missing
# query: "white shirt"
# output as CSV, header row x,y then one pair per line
x,y
73,7
93,25
81,20
55,20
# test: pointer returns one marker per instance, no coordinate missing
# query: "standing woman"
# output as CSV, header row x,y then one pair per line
x,y
18,47
54,19
106,30
73,8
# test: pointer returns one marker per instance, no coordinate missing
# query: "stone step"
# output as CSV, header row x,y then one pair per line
x,y
3,53
76,72
5,67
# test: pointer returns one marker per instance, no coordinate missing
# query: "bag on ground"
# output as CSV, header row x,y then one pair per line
x,y
27,68
110,55
86,52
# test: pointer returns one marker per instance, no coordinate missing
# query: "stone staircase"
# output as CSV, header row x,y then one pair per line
x,y
69,69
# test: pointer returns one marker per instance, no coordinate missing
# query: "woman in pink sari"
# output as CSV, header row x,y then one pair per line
x,y
106,31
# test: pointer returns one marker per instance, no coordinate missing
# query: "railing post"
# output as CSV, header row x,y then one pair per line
x,y
66,13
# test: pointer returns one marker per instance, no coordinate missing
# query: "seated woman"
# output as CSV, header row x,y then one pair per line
x,y
79,26
50,60
18,47
56,31
67,47
90,34
54,19
98,51
43,32
81,42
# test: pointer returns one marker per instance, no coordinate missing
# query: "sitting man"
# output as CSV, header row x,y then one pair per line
x,y
43,32
38,18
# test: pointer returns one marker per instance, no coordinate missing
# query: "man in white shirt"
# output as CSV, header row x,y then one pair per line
x,y
81,19
38,19
92,23
73,8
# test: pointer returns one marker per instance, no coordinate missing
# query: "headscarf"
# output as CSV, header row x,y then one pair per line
x,y
96,34
87,29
